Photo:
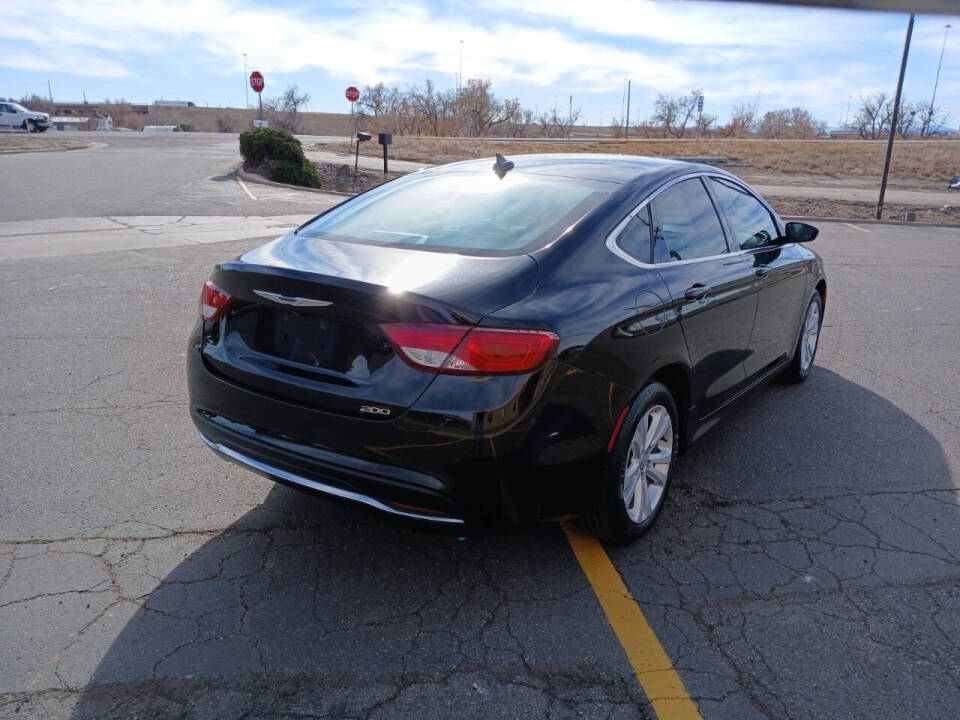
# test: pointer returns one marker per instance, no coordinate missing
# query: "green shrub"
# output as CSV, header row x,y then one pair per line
x,y
280,154
296,174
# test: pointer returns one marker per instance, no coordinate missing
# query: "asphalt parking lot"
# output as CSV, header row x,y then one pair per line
x,y
807,564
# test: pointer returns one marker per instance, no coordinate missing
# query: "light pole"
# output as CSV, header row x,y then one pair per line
x,y
893,119
626,127
933,99
246,92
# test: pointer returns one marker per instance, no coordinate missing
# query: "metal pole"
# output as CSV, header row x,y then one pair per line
x,y
893,119
260,97
626,126
246,84
356,159
384,158
933,100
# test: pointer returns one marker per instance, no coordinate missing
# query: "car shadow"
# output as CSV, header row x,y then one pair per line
x,y
306,607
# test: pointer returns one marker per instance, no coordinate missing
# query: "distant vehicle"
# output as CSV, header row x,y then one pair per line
x,y
541,340
174,103
16,115
161,128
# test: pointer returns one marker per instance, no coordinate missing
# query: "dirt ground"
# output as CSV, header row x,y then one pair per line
x,y
788,207
36,142
349,181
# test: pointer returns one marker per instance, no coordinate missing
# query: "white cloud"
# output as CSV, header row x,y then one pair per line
x,y
65,60
386,42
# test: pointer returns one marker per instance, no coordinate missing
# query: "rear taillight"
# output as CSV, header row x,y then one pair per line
x,y
213,302
456,350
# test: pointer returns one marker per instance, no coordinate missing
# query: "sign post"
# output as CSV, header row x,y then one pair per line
x,y
352,94
256,82
385,139
699,115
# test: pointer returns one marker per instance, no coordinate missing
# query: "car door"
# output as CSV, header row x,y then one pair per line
x,y
713,290
6,115
778,267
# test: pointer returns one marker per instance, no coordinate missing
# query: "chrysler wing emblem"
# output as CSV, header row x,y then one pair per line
x,y
295,301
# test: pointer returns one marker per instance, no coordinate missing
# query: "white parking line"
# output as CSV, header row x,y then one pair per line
x,y
245,188
857,228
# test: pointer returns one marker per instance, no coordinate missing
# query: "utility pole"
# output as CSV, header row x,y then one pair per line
x,y
460,74
933,100
50,92
846,119
626,125
893,119
246,92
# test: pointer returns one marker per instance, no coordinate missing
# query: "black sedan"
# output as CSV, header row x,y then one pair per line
x,y
475,346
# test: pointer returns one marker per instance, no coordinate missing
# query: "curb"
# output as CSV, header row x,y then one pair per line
x,y
254,177
858,221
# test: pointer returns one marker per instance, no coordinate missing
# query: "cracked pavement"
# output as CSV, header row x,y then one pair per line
x,y
807,564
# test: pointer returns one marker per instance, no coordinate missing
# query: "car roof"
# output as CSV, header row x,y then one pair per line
x,y
622,169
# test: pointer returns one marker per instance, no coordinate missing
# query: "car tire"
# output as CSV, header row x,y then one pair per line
x,y
621,516
801,364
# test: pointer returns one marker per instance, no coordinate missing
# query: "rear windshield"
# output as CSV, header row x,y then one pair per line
x,y
468,212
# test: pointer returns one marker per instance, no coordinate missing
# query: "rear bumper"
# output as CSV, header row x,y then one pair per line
x,y
334,477
488,452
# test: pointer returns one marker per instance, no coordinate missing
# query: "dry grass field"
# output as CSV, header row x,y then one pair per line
x,y
916,163
36,142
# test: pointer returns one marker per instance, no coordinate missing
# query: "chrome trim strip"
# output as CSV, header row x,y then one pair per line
x,y
270,471
295,301
611,241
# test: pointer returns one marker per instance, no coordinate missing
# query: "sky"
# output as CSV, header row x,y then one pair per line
x,y
539,51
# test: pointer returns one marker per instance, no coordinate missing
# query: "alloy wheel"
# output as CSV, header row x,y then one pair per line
x,y
811,334
648,463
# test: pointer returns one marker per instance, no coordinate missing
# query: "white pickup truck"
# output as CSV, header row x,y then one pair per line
x,y
16,115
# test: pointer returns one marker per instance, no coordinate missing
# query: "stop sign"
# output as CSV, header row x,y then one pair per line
x,y
256,81
352,94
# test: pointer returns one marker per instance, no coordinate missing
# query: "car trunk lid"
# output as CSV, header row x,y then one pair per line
x,y
305,321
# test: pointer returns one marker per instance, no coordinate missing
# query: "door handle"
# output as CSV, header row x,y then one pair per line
x,y
697,292
763,271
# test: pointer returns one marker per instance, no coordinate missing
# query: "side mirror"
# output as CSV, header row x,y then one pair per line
x,y
798,232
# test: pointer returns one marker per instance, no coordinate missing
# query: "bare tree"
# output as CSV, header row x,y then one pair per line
x,y
616,129
791,123
674,114
743,120
564,125
906,118
481,109
933,120
873,116
426,103
373,99
286,109
704,122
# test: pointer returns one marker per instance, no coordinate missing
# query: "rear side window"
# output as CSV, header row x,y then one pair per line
x,y
472,212
751,223
686,225
636,236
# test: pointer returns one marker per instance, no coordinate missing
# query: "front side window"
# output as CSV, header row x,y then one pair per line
x,y
751,222
686,223
468,212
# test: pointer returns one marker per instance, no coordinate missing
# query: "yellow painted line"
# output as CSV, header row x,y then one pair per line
x,y
855,227
650,662
245,188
